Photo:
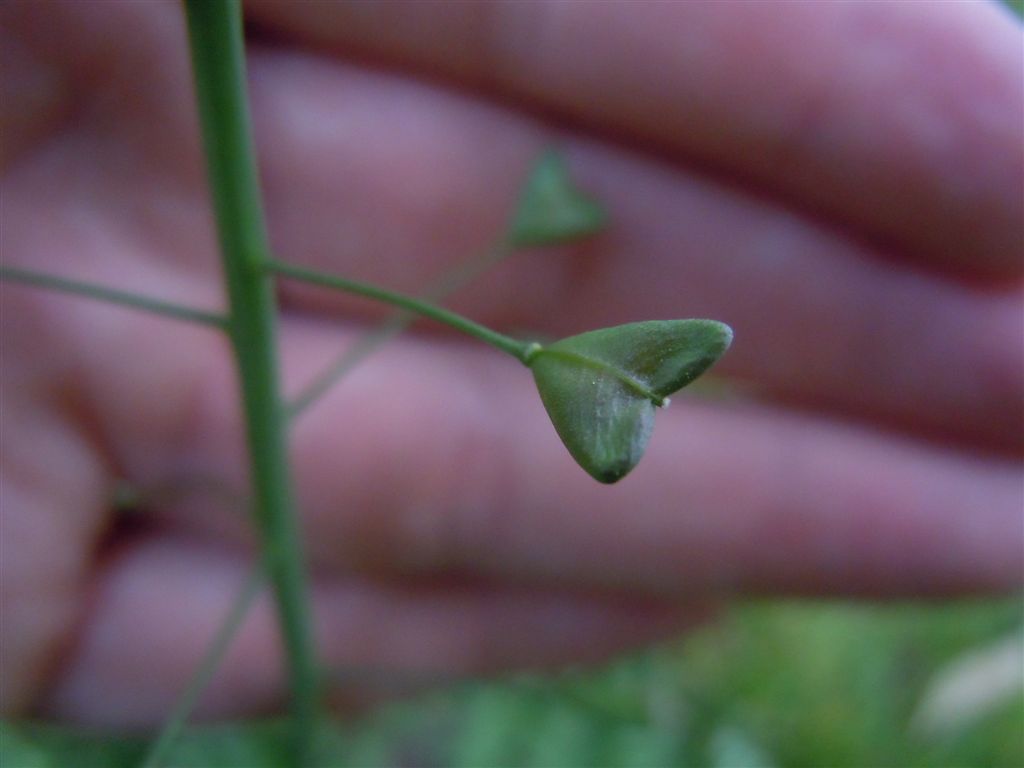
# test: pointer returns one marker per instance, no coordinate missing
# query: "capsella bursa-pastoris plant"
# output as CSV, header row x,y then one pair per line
x,y
600,388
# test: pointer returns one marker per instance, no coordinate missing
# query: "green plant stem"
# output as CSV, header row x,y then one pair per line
x,y
208,666
521,350
111,296
391,327
218,59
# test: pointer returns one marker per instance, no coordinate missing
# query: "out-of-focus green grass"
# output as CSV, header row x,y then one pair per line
x,y
769,685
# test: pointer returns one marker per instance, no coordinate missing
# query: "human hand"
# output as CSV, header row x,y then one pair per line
x,y
840,183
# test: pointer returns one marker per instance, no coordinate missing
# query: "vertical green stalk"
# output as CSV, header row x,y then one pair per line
x,y
218,60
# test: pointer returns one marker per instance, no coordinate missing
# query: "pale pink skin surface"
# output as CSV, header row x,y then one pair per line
x,y
840,182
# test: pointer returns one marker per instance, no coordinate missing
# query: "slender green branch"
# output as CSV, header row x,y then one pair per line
x,y
207,667
520,350
111,296
218,60
391,327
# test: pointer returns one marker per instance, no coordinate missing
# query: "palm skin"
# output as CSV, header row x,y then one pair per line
x,y
841,183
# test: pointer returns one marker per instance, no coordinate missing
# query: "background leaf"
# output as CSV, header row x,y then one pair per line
x,y
792,684
552,209
1017,6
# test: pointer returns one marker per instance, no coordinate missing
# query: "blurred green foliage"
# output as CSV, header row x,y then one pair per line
x,y
769,685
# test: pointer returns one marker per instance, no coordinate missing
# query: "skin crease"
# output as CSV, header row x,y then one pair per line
x,y
840,182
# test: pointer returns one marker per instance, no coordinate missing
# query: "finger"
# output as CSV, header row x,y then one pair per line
x,y
165,599
818,318
52,486
438,460
63,80
898,120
